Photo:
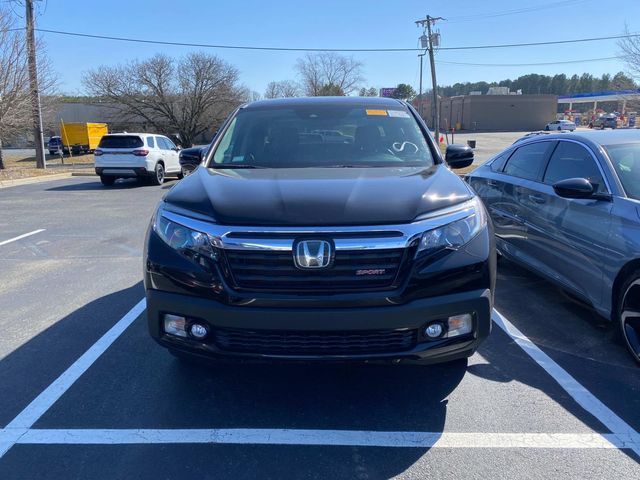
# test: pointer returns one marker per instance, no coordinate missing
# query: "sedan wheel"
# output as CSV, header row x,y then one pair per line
x,y
630,315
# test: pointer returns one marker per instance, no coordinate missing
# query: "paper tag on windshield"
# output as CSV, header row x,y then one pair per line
x,y
376,112
398,113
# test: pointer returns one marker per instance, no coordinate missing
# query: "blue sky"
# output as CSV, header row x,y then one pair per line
x,y
338,24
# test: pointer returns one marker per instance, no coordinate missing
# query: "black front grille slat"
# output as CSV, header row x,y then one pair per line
x,y
312,343
351,270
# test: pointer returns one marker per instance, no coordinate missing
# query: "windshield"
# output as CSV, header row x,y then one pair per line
x,y
626,161
322,136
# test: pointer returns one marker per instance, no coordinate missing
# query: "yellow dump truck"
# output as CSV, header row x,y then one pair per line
x,y
82,137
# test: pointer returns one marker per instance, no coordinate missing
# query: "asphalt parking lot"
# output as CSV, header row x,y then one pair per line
x,y
86,393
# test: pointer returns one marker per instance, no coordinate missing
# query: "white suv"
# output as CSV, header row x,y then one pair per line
x,y
136,155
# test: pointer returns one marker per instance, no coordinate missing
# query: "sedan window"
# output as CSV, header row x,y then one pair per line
x,y
527,161
570,160
626,161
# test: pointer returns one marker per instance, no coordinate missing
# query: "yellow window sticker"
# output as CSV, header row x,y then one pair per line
x,y
376,112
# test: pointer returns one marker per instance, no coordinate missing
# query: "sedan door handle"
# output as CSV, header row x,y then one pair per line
x,y
537,198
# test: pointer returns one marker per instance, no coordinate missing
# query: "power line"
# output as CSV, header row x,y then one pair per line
x,y
504,13
586,60
304,49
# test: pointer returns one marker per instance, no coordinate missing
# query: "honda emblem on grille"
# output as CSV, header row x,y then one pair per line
x,y
312,254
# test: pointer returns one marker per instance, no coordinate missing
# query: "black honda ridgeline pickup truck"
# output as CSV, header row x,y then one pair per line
x,y
322,229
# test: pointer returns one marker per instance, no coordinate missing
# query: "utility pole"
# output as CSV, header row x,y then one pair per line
x,y
33,84
421,105
426,23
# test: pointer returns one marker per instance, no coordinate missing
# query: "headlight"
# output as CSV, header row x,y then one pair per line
x,y
455,234
186,241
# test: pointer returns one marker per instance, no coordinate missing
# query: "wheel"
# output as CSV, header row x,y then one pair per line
x,y
181,175
629,314
546,129
559,128
158,175
107,181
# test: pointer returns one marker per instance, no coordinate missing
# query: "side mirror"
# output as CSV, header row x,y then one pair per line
x,y
578,188
192,156
459,156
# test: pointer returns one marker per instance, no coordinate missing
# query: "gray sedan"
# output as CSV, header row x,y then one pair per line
x,y
568,208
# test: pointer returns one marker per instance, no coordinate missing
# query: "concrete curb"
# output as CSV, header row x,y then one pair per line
x,y
83,174
26,181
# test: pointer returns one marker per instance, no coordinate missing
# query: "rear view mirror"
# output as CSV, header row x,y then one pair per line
x,y
459,156
578,188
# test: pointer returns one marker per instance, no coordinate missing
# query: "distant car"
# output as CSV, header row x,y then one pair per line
x,y
55,145
190,158
605,121
560,125
568,208
136,155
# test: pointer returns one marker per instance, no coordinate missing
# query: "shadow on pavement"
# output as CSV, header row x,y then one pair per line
x,y
32,367
136,384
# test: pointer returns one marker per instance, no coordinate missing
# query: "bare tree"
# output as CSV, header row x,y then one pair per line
x,y
317,70
14,81
630,49
282,89
184,97
15,104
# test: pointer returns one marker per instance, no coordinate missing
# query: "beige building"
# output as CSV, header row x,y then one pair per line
x,y
494,112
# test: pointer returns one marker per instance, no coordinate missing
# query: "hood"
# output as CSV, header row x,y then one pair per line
x,y
317,196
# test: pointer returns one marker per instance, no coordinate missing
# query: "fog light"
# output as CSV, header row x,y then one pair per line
x,y
175,325
459,325
198,331
434,330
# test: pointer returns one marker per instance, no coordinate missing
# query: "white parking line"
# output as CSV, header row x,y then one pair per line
x,y
268,436
581,395
20,430
19,237
32,412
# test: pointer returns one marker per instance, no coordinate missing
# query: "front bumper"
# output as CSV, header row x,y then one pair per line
x,y
413,316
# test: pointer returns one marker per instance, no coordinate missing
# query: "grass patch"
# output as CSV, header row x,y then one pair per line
x,y
19,164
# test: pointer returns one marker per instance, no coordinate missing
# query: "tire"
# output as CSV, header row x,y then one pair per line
x,y
157,178
559,128
180,175
628,314
107,181
546,129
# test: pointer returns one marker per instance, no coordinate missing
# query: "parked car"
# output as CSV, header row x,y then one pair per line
x,y
136,155
605,121
568,208
365,250
191,158
54,145
560,125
